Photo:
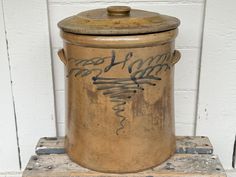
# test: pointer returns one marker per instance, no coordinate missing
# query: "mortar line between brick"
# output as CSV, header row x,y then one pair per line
x,y
199,69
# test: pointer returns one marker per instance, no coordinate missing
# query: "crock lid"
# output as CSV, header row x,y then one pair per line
x,y
118,20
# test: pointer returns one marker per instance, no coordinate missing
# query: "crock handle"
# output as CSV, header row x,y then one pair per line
x,y
176,56
61,55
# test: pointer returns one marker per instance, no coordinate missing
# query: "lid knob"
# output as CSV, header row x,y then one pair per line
x,y
118,10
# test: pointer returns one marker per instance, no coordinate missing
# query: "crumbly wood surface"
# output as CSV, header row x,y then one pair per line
x,y
50,145
193,145
179,165
193,158
184,145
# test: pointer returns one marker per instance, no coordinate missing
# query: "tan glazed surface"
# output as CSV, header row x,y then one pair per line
x,y
119,94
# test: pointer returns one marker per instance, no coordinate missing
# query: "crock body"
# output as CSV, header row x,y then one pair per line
x,y
119,95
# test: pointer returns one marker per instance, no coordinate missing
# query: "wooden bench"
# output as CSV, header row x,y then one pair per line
x,y
194,158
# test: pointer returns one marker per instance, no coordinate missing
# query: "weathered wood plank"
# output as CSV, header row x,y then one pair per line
x,y
50,145
193,145
184,145
180,165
